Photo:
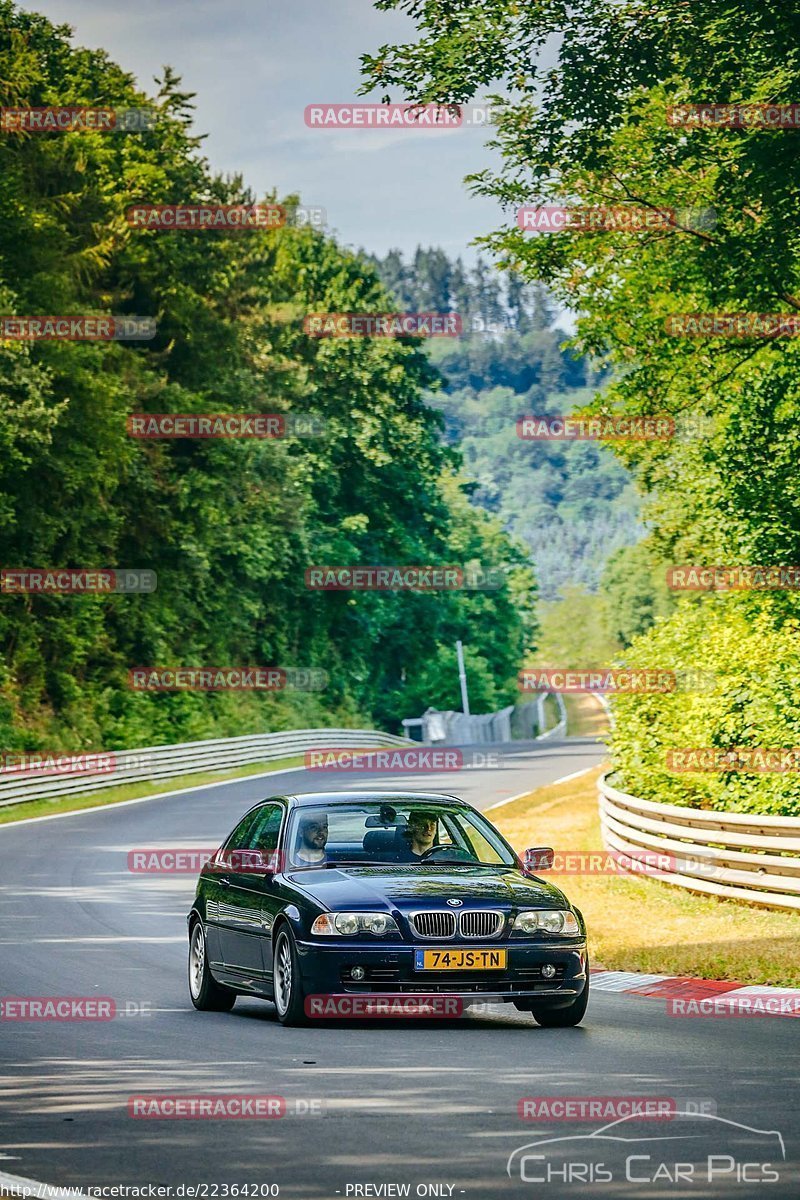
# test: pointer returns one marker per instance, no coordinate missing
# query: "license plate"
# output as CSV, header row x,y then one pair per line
x,y
443,959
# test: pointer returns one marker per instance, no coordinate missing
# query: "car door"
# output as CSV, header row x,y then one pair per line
x,y
245,918
217,885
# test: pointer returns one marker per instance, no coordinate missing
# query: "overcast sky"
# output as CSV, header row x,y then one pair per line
x,y
255,65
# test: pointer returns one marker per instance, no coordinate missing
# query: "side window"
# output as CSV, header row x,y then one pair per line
x,y
263,835
239,838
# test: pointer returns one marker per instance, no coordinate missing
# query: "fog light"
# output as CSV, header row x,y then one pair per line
x,y
548,971
357,973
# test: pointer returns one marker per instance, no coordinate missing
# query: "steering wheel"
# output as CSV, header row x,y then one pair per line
x,y
449,853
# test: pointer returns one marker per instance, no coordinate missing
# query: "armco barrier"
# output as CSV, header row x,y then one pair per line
x,y
739,856
560,729
187,758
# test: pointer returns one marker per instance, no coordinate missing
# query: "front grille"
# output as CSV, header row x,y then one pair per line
x,y
480,923
433,924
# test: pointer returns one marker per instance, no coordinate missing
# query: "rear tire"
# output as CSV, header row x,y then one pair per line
x,y
566,1017
206,993
287,981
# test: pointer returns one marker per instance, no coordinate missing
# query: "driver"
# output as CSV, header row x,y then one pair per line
x,y
420,834
313,838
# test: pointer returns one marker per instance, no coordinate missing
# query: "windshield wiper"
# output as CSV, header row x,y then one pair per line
x,y
358,862
456,862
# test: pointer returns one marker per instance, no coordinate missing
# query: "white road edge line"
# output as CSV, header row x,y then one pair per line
x,y
33,1188
574,775
500,803
519,795
200,787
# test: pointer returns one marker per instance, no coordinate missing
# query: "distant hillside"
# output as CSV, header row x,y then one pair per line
x,y
572,503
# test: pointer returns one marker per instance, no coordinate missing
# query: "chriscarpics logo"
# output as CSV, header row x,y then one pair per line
x,y
685,1156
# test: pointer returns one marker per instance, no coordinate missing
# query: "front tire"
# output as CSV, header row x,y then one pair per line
x,y
566,1017
287,982
206,993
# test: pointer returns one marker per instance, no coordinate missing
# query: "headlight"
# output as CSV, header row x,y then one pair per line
x,y
348,924
546,920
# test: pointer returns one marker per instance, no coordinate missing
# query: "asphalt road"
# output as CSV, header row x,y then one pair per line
x,y
431,1106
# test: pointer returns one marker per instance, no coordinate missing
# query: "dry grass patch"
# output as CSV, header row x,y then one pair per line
x,y
640,924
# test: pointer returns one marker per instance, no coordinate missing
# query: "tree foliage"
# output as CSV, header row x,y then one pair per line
x,y
230,526
585,90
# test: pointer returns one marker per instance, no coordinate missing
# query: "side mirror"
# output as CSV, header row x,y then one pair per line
x,y
271,864
538,858
248,862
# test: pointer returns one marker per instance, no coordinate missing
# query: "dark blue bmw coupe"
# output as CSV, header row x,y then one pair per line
x,y
384,894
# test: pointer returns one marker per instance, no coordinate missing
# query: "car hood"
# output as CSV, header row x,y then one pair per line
x,y
403,887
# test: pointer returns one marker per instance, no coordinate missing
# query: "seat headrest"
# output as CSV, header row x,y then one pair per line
x,y
376,840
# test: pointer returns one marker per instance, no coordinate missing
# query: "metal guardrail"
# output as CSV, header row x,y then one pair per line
x,y
738,856
558,730
187,758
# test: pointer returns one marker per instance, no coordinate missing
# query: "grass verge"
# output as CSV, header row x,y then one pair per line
x,y
638,924
134,791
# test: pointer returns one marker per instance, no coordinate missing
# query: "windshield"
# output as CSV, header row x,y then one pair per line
x,y
388,832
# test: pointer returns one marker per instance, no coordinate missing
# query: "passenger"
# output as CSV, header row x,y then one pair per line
x,y
313,838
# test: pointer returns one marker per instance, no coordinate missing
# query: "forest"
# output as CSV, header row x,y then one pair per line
x,y
226,526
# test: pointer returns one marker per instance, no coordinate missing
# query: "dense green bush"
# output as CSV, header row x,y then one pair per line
x,y
741,651
229,526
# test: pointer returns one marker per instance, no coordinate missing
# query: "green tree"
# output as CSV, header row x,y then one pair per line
x,y
584,120
230,526
634,592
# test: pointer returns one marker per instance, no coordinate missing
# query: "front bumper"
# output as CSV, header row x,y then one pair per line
x,y
389,970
